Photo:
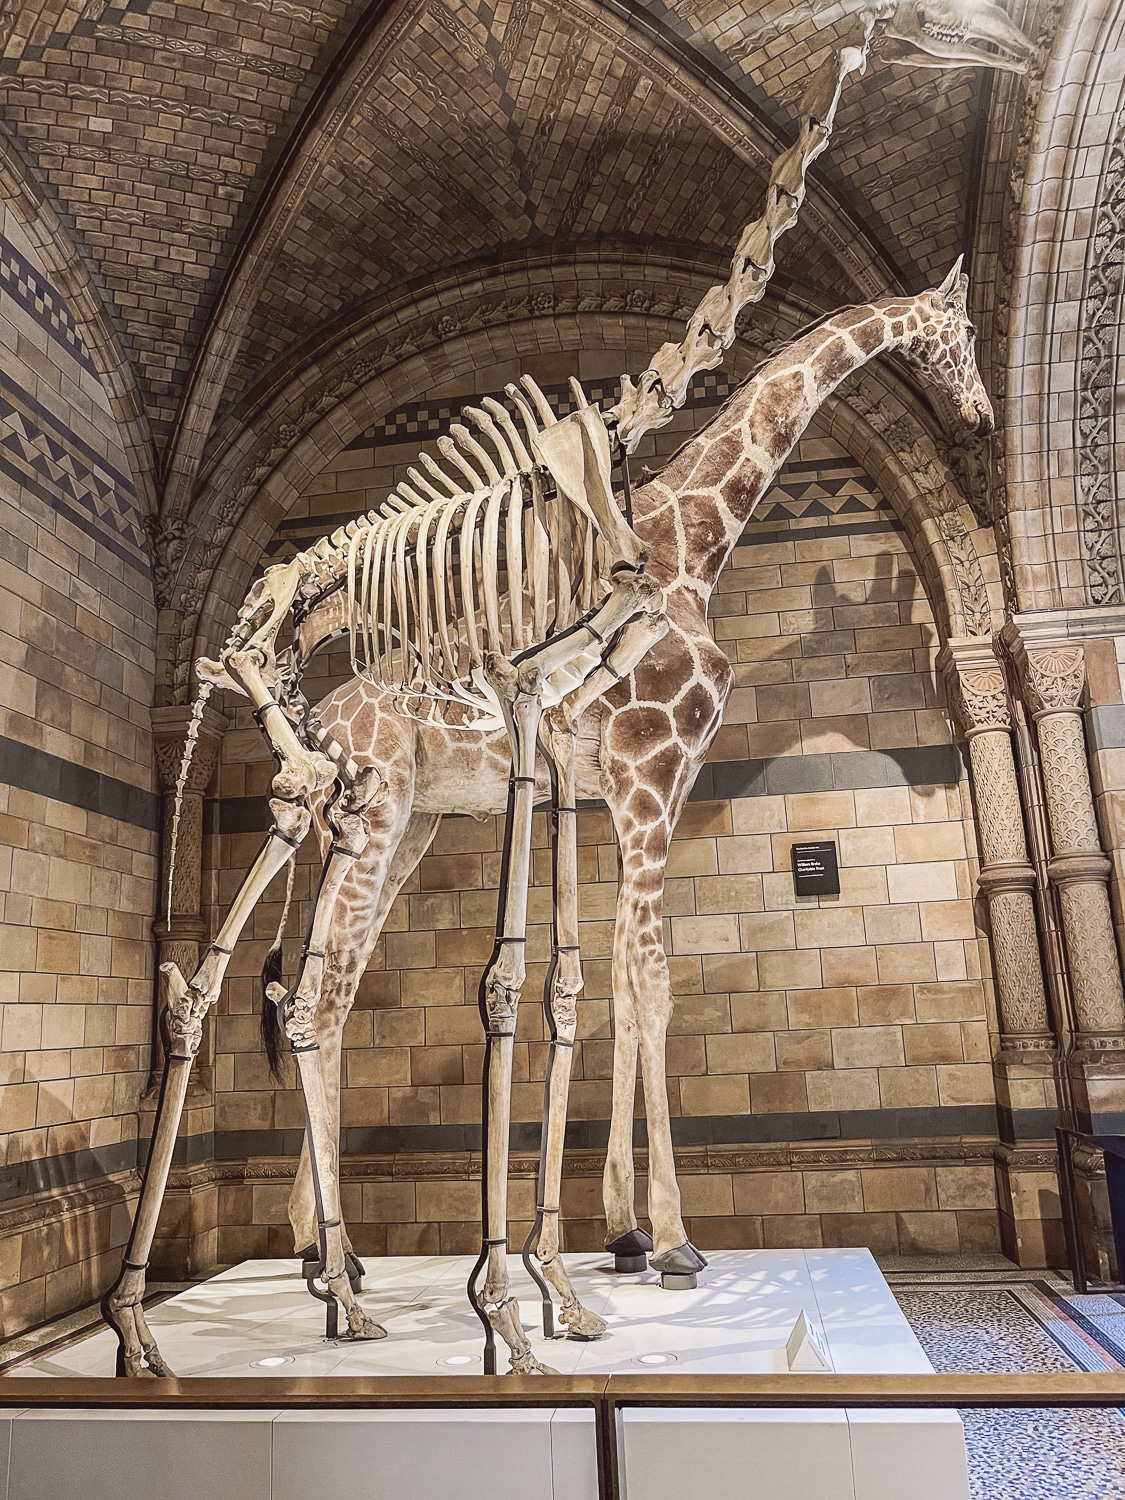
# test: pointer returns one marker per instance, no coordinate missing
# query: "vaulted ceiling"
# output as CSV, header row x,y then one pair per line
x,y
236,176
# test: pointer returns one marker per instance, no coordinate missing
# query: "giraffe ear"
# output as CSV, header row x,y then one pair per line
x,y
952,285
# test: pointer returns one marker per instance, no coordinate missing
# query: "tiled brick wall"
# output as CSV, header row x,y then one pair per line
x,y
77,810
798,1020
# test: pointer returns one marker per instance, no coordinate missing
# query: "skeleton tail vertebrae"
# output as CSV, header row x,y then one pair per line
x,y
191,739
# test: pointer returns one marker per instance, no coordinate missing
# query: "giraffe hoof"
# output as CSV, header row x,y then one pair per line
x,y
356,1270
527,1364
679,1267
630,1251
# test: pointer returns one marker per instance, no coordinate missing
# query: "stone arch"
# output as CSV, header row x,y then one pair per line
x,y
1065,343
46,229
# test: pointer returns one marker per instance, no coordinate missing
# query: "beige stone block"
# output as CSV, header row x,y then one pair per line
x,y
453,1025
934,881
933,1042
908,1088
438,1201
950,1001
835,735
892,924
17,1105
849,966
811,1008
789,970
867,846
715,1095
833,1192
767,930
745,854
727,893
696,1015
685,1056
58,952
943,921
691,857
829,927
769,1193
965,1083
389,1203
899,1189
875,808
803,1050
751,815
857,1088
820,810
901,963
928,842
867,1047
966,1187
424,987
765,1011
708,1194
705,934
740,1052
778,1093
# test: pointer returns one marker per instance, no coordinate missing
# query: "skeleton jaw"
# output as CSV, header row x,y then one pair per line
x,y
953,33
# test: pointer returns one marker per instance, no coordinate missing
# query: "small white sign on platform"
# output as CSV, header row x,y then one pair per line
x,y
754,1312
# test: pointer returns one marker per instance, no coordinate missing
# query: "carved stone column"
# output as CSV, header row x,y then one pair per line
x,y
180,933
1007,878
1054,678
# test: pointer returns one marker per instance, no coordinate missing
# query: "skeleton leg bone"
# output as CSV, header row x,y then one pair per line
x,y
562,1007
500,990
186,1005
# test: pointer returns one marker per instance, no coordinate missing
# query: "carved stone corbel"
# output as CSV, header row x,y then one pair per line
x,y
1007,879
1053,677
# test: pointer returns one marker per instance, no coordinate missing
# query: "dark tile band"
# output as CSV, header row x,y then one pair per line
x,y
50,776
843,770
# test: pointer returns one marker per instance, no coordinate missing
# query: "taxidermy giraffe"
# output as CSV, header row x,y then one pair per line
x,y
639,745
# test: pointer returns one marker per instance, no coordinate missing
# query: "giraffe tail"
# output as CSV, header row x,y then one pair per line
x,y
272,975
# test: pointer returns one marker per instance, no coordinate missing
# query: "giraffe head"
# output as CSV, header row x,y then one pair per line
x,y
943,349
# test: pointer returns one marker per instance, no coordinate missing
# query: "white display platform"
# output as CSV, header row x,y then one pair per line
x,y
736,1322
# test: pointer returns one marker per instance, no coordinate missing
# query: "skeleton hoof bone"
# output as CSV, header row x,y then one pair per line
x,y
527,1364
679,1267
582,1324
630,1252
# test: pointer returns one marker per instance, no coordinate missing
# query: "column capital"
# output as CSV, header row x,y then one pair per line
x,y
974,681
1052,673
169,730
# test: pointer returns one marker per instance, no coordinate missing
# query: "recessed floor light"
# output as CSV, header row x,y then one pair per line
x,y
458,1359
655,1359
271,1361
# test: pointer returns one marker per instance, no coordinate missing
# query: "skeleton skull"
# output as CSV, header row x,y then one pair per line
x,y
953,33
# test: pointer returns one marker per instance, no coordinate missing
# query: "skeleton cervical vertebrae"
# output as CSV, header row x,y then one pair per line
x,y
503,598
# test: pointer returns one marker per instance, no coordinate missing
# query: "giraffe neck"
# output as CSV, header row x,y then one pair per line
x,y
693,513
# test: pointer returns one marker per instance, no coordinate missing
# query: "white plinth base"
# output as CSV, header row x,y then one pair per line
x,y
736,1322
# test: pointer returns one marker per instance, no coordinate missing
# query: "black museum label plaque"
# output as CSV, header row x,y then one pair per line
x,y
815,869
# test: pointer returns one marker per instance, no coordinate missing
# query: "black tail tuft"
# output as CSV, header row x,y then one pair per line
x,y
271,1024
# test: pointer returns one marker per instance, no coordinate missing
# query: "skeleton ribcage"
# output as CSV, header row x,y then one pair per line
x,y
438,581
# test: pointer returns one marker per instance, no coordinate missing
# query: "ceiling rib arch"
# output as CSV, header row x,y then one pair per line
x,y
59,246
691,81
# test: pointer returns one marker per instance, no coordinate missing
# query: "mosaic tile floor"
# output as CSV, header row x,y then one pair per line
x,y
990,1316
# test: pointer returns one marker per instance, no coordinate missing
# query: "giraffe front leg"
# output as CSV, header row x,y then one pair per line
x,y
640,980
299,1011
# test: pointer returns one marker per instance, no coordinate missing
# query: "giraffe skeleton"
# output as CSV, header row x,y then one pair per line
x,y
638,741
582,659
